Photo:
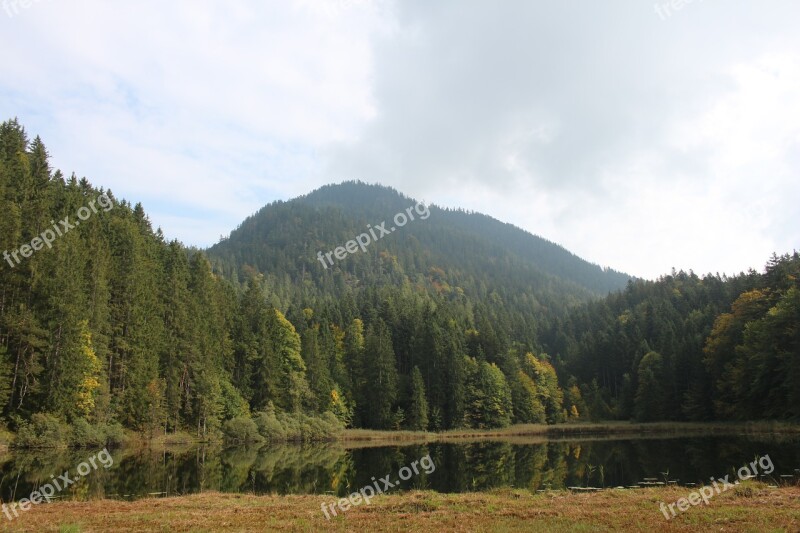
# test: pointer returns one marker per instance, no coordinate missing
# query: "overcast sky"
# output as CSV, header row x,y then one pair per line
x,y
638,136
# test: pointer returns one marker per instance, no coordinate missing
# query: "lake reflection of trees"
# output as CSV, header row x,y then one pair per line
x,y
23,472
329,468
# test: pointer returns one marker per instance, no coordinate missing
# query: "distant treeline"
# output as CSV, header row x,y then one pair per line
x,y
689,348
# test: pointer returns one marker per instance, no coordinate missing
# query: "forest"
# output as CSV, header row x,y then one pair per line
x,y
458,322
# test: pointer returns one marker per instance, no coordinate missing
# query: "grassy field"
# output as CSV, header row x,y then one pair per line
x,y
750,507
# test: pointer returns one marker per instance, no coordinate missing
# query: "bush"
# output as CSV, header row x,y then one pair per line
x,y
115,434
241,430
87,435
6,437
282,427
269,427
43,431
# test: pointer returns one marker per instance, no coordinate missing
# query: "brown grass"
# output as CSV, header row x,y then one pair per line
x,y
758,509
359,437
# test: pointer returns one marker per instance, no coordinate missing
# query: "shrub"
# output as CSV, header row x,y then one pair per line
x,y
269,427
282,427
5,435
241,430
86,435
43,431
115,434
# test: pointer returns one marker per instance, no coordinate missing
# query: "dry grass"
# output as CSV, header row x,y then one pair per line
x,y
181,438
359,437
759,509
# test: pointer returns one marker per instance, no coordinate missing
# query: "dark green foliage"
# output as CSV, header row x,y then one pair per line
x,y
650,393
753,352
318,365
689,348
233,405
380,390
417,417
5,377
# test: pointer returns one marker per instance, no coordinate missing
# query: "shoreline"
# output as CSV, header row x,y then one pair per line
x,y
521,433
555,431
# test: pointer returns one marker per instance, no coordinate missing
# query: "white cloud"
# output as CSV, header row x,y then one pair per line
x,y
636,142
198,106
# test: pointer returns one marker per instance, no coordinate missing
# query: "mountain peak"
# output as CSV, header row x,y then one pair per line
x,y
470,249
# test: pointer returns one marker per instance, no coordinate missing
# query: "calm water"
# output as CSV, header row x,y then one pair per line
x,y
330,468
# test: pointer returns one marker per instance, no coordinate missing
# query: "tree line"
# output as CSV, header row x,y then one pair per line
x,y
689,348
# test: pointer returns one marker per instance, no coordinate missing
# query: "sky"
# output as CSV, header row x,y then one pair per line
x,y
641,135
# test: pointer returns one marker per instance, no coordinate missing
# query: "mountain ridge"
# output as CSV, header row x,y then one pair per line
x,y
362,204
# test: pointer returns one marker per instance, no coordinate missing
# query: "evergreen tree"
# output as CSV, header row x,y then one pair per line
x,y
417,417
650,393
380,386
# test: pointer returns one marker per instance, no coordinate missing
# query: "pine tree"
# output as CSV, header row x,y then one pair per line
x,y
650,393
318,368
353,342
380,387
5,378
417,415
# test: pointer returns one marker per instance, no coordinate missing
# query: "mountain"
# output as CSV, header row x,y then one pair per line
x,y
450,249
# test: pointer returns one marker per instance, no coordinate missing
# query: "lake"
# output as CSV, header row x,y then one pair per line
x,y
333,468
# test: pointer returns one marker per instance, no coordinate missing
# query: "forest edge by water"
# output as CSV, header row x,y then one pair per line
x,y
366,437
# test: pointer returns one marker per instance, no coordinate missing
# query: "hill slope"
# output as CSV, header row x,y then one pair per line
x,y
447,248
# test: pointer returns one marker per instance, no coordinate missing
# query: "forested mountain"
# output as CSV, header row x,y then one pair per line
x,y
443,323
475,252
458,299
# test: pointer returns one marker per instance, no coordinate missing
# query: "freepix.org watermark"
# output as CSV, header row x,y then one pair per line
x,y
718,486
12,7
380,486
665,9
365,239
48,236
47,491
